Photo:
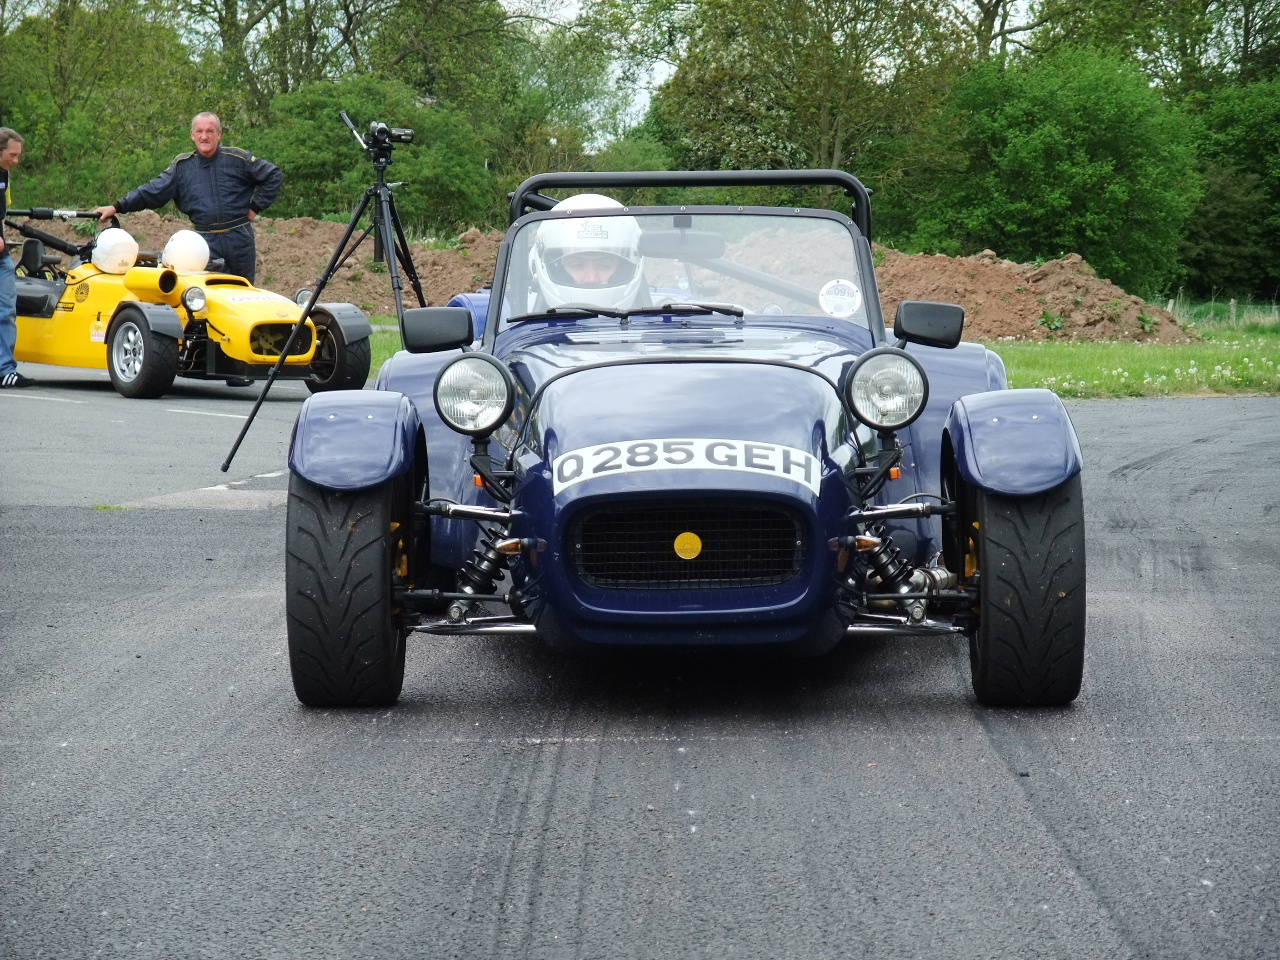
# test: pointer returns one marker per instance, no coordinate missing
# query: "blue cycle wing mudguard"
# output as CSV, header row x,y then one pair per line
x,y
1013,442
478,304
354,439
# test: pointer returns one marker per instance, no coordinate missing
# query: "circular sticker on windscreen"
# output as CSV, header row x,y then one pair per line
x,y
840,298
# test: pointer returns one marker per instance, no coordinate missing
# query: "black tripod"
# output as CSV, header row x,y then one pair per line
x,y
385,225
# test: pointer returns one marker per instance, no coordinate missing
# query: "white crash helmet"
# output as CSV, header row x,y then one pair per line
x,y
114,251
614,238
186,252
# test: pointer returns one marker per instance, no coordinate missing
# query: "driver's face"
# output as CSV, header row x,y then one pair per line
x,y
590,269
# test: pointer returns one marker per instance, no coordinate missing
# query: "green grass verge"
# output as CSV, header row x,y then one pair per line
x,y
1241,357
383,343
1240,353
1238,365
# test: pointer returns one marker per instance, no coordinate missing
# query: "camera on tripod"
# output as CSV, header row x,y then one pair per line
x,y
380,133
380,138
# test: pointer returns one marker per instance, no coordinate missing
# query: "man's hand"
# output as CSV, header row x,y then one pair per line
x,y
104,213
253,215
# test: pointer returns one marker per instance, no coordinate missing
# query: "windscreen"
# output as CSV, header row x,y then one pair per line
x,y
752,263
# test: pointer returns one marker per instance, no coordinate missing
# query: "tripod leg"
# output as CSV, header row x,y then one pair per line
x,y
402,250
340,254
383,231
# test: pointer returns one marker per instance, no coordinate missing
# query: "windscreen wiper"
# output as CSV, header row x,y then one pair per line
x,y
686,310
556,313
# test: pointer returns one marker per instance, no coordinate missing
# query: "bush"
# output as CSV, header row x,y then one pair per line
x,y
1233,241
445,182
1072,154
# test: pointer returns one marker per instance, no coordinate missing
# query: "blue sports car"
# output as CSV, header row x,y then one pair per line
x,y
683,426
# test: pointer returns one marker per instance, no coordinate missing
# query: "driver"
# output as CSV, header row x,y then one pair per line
x,y
589,260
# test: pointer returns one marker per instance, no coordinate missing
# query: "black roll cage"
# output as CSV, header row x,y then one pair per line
x,y
528,197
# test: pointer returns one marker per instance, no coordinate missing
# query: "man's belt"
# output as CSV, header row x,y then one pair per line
x,y
226,227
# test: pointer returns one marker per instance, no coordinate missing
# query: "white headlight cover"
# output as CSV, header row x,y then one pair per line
x,y
193,299
475,394
887,388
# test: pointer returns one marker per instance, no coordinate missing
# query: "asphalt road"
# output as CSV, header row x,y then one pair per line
x,y
163,795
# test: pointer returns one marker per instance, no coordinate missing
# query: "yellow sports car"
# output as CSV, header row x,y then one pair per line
x,y
147,318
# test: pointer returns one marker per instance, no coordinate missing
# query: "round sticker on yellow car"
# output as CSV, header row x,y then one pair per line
x,y
688,546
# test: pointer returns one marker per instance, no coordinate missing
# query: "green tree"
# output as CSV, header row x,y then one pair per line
x,y
1233,240
1075,153
454,51
96,123
257,49
1186,46
803,83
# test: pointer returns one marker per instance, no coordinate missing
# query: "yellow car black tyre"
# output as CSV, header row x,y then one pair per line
x,y
337,364
142,364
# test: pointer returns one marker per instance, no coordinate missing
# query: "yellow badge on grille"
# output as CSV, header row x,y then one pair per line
x,y
688,546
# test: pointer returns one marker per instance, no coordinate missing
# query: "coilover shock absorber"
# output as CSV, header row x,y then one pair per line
x,y
479,575
885,558
896,575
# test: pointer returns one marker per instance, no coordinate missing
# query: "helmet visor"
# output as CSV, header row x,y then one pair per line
x,y
589,269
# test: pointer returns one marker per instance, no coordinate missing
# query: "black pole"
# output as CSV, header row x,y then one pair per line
x,y
340,255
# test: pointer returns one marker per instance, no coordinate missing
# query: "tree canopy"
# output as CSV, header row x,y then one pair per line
x,y
1142,136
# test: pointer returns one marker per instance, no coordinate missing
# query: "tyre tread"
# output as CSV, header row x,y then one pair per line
x,y
1029,645
344,649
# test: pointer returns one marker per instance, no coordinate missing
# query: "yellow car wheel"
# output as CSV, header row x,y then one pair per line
x,y
337,364
142,364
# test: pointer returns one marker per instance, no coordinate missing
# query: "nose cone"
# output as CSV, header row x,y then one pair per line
x,y
761,419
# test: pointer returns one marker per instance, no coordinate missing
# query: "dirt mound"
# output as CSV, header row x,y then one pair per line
x,y
1061,299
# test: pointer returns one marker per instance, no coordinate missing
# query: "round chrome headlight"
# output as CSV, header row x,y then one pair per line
x,y
475,394
887,388
193,299
302,297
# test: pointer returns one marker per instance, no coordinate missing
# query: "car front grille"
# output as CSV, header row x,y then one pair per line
x,y
268,339
639,546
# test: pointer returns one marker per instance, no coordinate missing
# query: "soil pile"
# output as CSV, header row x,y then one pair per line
x,y
1060,299
1056,300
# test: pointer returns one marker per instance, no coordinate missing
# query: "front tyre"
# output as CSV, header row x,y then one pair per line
x,y
1027,647
337,364
343,552
142,364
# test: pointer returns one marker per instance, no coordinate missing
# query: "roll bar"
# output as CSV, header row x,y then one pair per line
x,y
528,196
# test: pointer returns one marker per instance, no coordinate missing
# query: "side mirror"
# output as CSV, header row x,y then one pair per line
x,y
432,329
929,323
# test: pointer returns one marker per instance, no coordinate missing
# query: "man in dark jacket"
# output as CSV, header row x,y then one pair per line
x,y
11,143
221,189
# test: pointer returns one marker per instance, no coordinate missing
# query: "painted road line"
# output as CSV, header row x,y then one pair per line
x,y
206,413
36,396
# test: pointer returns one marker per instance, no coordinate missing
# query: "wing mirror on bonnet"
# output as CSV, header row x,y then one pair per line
x,y
432,329
929,323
